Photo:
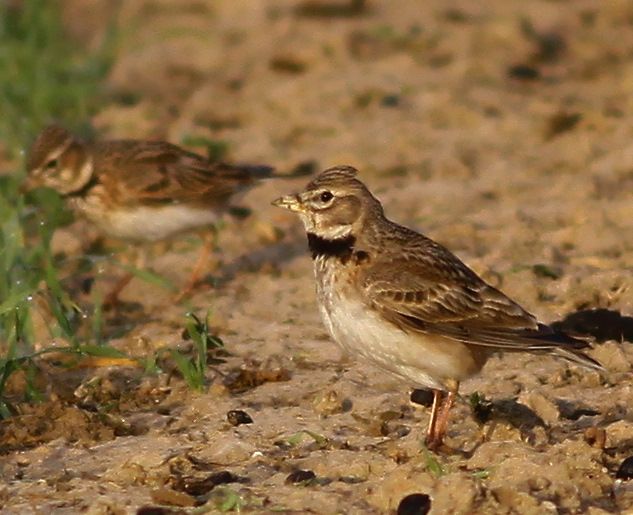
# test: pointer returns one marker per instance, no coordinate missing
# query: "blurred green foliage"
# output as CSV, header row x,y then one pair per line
x,y
44,76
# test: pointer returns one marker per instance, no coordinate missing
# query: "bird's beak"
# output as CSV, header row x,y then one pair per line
x,y
290,202
28,184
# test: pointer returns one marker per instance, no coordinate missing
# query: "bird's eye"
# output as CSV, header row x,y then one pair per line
x,y
326,196
52,164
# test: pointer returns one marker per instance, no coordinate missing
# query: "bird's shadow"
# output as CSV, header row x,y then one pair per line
x,y
602,324
276,254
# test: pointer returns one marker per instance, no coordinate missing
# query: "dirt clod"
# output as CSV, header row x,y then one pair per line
x,y
596,437
243,379
172,497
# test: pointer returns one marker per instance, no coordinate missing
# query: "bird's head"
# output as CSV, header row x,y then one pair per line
x,y
59,161
335,205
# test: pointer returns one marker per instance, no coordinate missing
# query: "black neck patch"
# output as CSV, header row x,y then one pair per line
x,y
341,248
83,191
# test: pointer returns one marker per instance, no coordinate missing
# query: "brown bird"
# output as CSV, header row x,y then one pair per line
x,y
405,303
136,190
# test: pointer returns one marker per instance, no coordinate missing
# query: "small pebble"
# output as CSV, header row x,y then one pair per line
x,y
237,417
625,471
401,431
22,461
198,487
596,437
300,476
414,504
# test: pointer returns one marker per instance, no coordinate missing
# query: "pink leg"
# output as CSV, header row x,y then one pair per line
x,y
198,267
435,439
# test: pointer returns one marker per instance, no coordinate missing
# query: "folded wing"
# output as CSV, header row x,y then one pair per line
x,y
159,173
443,296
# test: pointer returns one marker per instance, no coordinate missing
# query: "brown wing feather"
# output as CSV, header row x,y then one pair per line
x,y
426,282
428,289
159,172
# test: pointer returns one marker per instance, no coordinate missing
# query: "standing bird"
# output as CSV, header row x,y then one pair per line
x,y
136,190
405,303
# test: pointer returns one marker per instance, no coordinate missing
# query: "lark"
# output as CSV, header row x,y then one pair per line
x,y
398,300
139,191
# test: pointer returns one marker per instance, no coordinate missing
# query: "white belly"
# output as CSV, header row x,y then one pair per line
x,y
153,223
423,360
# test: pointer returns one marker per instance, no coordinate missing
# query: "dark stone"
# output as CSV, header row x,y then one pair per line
x,y
414,504
237,417
300,476
625,471
198,487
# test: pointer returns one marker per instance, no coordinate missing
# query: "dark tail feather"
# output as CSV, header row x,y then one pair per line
x,y
257,171
578,357
242,175
541,340
301,169
570,348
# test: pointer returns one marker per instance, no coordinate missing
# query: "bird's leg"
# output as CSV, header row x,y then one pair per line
x,y
431,430
444,413
208,243
439,416
112,298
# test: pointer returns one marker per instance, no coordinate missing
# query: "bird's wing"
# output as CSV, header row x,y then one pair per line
x,y
159,173
427,289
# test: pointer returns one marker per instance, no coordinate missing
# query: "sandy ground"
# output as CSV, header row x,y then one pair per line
x,y
500,129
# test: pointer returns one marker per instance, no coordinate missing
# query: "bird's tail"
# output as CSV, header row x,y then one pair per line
x,y
569,347
578,357
256,171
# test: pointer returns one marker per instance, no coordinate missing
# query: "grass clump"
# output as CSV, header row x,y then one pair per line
x,y
193,368
44,76
30,285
